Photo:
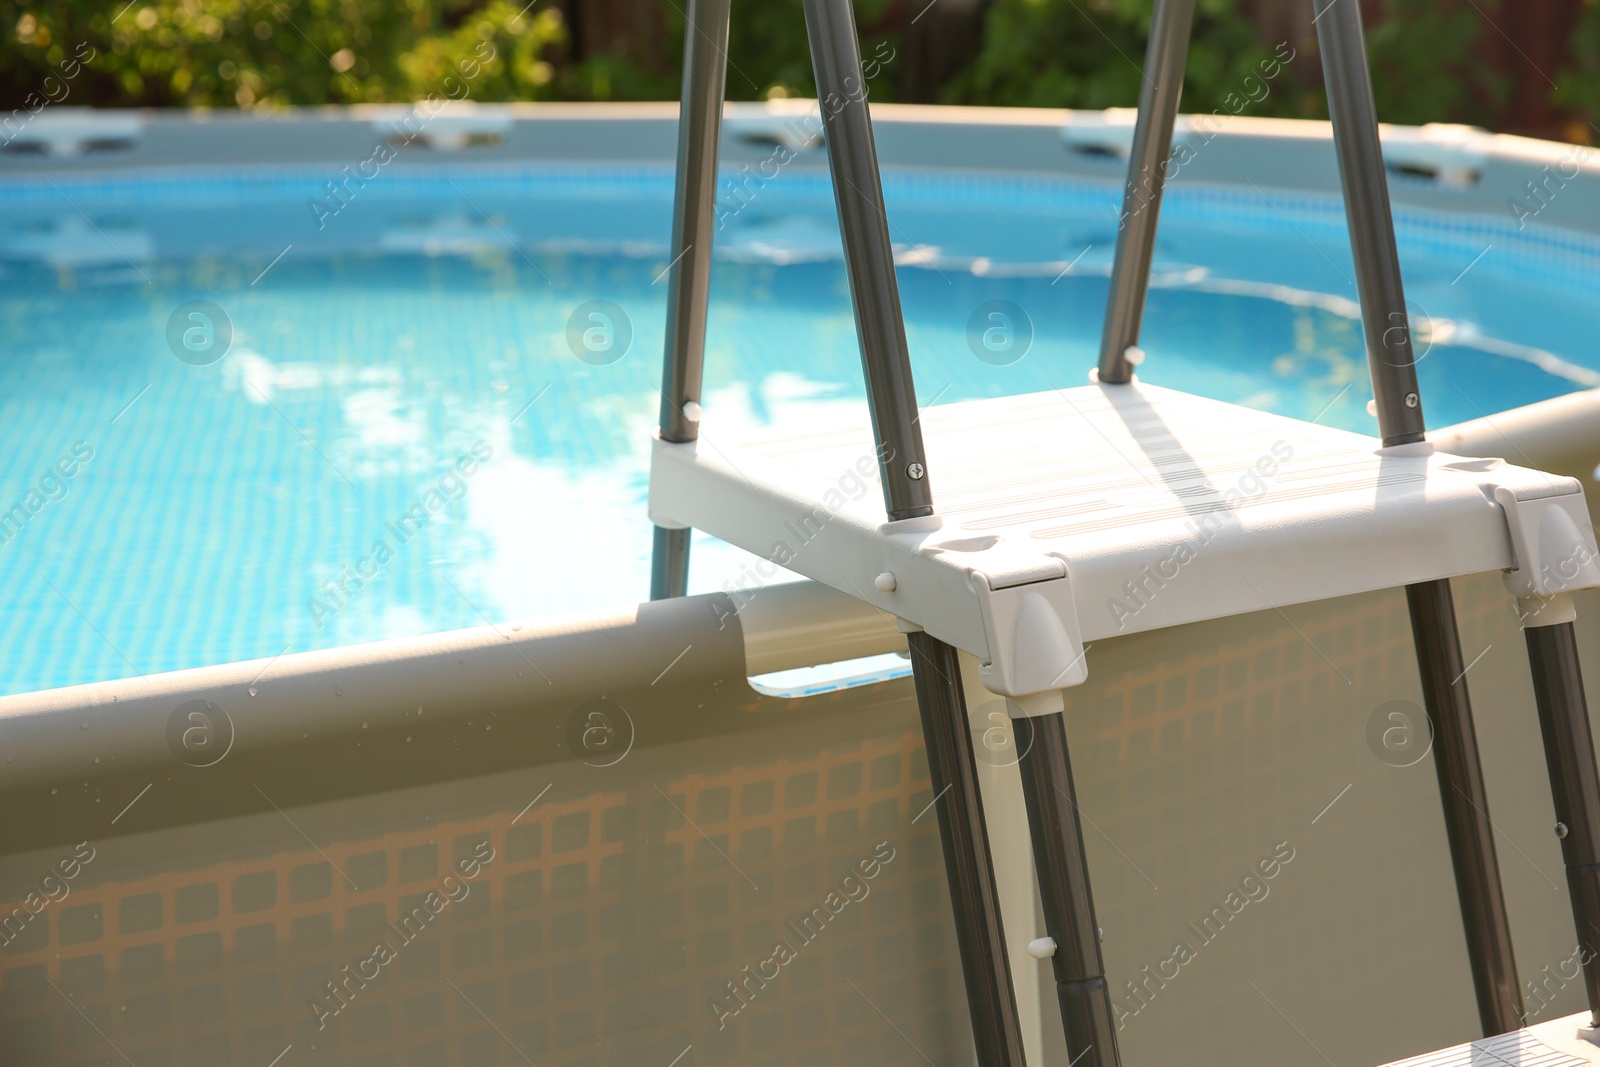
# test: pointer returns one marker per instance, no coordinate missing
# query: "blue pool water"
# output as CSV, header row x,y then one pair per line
x,y
402,377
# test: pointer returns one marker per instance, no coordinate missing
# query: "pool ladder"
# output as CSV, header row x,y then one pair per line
x,y
1046,770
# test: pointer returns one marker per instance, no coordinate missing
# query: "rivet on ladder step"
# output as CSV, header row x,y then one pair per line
x,y
886,582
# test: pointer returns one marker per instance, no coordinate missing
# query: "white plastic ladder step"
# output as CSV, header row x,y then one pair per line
x,y
1069,516
1551,1044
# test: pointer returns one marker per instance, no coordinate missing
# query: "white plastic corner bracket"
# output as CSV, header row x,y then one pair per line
x,y
1552,544
1036,646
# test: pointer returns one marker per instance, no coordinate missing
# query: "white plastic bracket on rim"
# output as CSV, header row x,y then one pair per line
x,y
1554,547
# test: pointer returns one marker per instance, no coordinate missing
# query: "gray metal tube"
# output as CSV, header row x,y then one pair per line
x,y
968,864
669,564
1366,201
1574,783
1164,60
1069,918
1400,421
1465,804
891,394
705,70
869,257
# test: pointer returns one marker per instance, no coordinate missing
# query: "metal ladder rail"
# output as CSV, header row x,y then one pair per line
x,y
1575,781
705,75
1063,870
1548,625
1166,54
997,1031
891,395
1400,422
1046,771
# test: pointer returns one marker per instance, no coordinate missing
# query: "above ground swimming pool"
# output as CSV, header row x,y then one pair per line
x,y
248,413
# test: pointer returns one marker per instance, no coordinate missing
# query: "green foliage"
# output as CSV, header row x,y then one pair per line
x,y
517,42
253,53
1089,54
1580,79
277,53
767,41
767,57
1423,66
1035,53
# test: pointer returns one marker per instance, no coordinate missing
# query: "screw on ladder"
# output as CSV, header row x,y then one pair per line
x,y
705,69
1400,422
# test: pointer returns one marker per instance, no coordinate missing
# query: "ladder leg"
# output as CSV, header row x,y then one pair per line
x,y
974,896
1064,888
1164,60
891,393
1574,783
669,564
1466,807
705,68
1400,421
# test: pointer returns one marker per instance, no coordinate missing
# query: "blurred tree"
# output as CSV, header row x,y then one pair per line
x,y
255,53
1580,78
1090,53
1479,61
1426,65
767,42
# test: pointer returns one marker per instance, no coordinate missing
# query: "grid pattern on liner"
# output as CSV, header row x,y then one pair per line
x,y
1555,252
597,934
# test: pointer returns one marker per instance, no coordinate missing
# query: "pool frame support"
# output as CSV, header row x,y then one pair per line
x,y
705,75
891,395
1400,421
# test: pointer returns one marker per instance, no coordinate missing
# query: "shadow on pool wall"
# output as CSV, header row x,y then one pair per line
x,y
649,843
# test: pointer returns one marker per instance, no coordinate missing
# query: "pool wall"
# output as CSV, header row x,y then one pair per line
x,y
656,826
1451,169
